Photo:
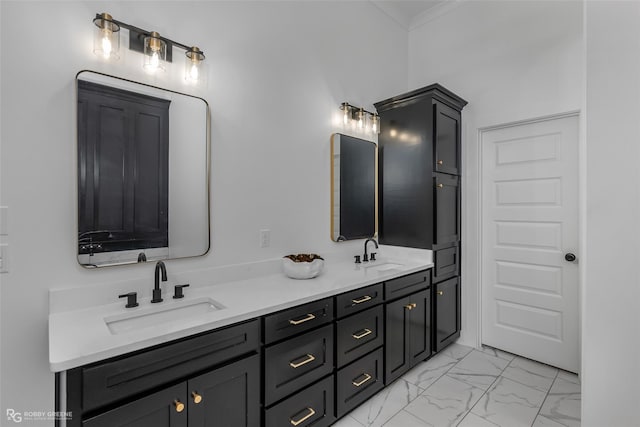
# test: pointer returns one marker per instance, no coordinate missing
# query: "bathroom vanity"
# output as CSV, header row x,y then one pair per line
x,y
274,352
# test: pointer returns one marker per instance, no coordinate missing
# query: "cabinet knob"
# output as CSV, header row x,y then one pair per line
x,y
440,293
310,413
179,405
196,397
440,186
440,162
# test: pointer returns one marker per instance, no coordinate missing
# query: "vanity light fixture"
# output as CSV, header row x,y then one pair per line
x,y
364,120
156,49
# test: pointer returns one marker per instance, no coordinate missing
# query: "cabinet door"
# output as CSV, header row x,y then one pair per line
x,y
447,223
447,139
447,307
228,396
397,360
166,408
420,327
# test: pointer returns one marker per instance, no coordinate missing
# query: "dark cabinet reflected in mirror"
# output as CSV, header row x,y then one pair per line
x,y
353,188
143,172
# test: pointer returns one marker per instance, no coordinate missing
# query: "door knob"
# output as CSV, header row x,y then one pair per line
x,y
570,257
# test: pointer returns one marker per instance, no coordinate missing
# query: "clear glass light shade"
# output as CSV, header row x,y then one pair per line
x,y
362,119
195,70
346,113
106,37
155,53
375,123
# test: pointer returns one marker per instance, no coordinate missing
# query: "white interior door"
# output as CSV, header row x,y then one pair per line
x,y
529,226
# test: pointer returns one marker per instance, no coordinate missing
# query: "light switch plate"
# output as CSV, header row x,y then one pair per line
x,y
4,257
4,229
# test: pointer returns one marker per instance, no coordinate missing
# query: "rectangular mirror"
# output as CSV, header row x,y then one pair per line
x,y
354,202
143,172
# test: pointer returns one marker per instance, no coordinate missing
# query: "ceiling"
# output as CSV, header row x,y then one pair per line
x,y
408,12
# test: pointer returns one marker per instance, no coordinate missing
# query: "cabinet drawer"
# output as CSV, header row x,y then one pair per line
x,y
446,263
357,335
298,319
126,376
405,285
359,381
294,363
312,406
358,300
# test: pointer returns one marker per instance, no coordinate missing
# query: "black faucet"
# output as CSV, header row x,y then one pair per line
x,y
157,292
365,258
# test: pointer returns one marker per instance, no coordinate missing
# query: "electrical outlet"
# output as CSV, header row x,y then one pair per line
x,y
265,238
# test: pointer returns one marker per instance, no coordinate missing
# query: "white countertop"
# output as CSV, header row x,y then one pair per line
x,y
79,337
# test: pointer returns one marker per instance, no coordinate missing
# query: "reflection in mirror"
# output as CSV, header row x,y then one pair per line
x,y
353,188
143,172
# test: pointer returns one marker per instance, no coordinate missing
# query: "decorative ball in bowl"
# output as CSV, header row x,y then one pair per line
x,y
302,266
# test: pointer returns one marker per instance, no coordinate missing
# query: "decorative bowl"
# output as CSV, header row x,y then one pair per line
x,y
302,266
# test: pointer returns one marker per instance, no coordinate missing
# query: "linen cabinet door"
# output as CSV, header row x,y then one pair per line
x,y
447,306
228,396
447,210
166,408
447,139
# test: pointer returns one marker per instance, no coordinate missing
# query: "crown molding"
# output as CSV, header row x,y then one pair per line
x,y
434,13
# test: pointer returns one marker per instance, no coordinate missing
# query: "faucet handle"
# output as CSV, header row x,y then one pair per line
x,y
373,256
178,291
132,299
357,257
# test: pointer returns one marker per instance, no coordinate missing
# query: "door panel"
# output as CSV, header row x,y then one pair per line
x,y
397,339
447,314
228,396
447,139
530,220
420,328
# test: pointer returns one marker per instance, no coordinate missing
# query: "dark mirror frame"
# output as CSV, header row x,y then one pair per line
x,y
148,238
354,188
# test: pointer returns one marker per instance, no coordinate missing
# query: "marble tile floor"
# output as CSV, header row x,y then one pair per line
x,y
467,387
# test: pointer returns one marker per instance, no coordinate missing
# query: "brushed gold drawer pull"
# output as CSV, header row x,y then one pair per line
x,y
196,397
440,162
364,333
310,414
309,358
179,405
361,300
304,319
440,185
367,377
440,293
411,306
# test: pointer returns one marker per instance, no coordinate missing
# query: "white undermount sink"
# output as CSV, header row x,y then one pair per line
x,y
153,316
386,266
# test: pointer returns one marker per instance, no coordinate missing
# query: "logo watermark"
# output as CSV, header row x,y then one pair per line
x,y
19,416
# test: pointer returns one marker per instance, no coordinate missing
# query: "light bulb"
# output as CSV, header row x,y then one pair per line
x,y
155,61
193,72
360,119
106,43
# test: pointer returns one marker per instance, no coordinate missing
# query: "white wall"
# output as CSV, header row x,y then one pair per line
x,y
278,71
512,61
611,334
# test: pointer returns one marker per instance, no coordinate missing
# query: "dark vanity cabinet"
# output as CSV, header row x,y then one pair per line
x,y
206,380
407,324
